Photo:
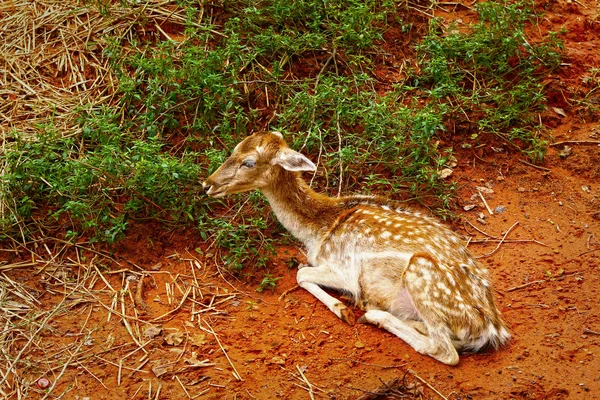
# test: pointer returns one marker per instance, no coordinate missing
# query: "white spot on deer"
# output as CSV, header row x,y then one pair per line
x,y
386,234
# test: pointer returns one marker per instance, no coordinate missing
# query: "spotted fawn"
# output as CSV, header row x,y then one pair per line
x,y
413,276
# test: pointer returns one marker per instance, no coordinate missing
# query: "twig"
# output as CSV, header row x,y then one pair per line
x,y
236,374
310,387
62,371
485,203
591,332
499,243
587,252
183,299
139,300
413,373
480,231
183,387
535,166
594,142
286,292
367,364
525,285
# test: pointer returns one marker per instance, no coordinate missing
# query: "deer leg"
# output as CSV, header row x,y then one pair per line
x,y
312,278
436,345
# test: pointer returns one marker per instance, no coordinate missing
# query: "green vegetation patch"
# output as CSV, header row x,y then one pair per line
x,y
190,91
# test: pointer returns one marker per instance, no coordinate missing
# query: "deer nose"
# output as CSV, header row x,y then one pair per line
x,y
206,187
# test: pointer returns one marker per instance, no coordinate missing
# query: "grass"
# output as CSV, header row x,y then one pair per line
x,y
187,88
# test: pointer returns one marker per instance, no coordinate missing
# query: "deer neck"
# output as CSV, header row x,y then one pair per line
x,y
304,213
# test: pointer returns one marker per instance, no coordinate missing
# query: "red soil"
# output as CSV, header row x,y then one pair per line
x,y
546,276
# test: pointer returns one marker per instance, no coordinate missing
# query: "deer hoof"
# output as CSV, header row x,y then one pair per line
x,y
362,320
347,316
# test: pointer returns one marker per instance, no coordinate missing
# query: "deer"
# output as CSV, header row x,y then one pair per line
x,y
409,273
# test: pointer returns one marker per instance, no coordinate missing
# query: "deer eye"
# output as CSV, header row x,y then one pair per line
x,y
249,163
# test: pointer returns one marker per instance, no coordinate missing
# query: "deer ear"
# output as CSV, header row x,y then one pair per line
x,y
293,161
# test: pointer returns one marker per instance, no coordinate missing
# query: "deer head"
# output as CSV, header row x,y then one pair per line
x,y
253,164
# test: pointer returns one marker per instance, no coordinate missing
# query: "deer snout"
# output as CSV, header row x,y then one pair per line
x,y
206,187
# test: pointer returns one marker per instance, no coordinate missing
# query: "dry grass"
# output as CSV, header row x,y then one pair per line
x,y
79,324
55,309
52,64
52,61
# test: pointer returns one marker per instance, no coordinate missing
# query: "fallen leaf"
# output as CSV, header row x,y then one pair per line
x,y
469,207
160,369
452,162
359,345
156,266
445,173
174,338
152,331
198,339
559,111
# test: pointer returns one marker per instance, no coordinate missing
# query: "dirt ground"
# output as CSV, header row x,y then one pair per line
x,y
159,321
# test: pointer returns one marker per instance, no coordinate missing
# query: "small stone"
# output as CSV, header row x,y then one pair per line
x,y
481,221
277,360
560,203
469,207
500,209
521,189
484,189
359,345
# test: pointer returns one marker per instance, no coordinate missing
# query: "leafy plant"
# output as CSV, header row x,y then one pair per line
x,y
303,67
492,73
268,282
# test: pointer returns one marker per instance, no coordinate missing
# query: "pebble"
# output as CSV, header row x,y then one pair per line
x,y
500,209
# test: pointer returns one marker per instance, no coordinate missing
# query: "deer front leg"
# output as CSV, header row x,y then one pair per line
x,y
312,278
